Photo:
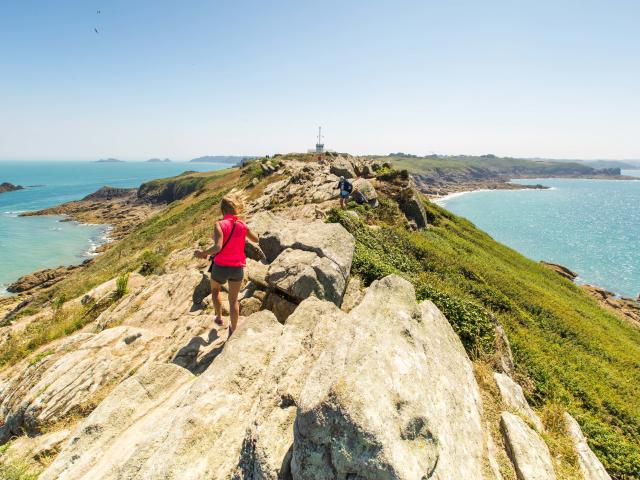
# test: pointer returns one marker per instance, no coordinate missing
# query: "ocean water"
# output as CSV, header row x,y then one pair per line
x,y
590,226
32,243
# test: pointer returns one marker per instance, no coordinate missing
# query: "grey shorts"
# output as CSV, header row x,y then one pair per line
x,y
224,274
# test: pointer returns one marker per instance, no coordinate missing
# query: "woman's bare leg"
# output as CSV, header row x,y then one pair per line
x,y
217,302
234,305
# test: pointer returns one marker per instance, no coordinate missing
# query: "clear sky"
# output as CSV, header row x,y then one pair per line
x,y
179,79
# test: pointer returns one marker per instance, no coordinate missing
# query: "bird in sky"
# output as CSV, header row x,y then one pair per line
x,y
96,30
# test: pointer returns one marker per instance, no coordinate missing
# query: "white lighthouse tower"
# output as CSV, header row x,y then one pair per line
x,y
319,145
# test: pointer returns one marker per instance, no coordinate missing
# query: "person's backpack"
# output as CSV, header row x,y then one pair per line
x,y
346,186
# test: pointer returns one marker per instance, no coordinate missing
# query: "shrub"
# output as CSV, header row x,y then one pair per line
x,y
121,285
58,302
150,262
471,322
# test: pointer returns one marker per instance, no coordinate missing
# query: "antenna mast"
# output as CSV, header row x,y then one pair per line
x,y
319,145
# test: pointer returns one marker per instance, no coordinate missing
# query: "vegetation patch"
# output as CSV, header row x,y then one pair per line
x,y
573,352
150,262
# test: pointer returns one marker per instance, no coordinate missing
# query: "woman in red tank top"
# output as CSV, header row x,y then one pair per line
x,y
229,260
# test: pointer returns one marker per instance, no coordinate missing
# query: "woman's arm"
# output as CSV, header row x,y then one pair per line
x,y
217,244
252,236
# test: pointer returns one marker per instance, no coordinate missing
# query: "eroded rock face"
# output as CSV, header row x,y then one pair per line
x,y
378,402
40,279
590,466
342,167
209,416
69,374
301,274
527,450
369,385
411,205
329,240
306,258
513,396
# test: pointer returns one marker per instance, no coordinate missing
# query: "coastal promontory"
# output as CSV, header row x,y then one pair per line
x,y
9,187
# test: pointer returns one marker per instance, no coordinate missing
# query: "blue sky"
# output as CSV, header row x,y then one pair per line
x,y
182,79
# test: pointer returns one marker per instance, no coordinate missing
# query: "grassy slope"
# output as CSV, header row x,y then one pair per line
x,y
572,351
431,164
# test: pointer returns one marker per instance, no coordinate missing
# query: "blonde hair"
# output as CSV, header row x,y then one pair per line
x,y
231,205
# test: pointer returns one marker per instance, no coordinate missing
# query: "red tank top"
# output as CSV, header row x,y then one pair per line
x,y
232,255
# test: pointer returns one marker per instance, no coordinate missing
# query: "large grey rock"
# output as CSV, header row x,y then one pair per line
x,y
513,397
411,205
329,240
379,402
590,466
528,452
61,377
268,443
342,167
300,274
165,423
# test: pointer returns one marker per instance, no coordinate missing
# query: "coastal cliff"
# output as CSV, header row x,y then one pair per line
x,y
441,175
392,340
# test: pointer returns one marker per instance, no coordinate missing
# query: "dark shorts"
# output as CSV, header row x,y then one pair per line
x,y
344,194
224,274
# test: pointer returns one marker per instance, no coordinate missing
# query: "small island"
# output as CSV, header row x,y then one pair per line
x,y
109,160
157,160
9,187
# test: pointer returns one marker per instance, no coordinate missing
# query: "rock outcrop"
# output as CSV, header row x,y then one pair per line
x,y
560,270
411,205
513,397
305,258
528,452
40,279
9,187
627,308
590,466
342,167
379,403
329,395
117,207
68,375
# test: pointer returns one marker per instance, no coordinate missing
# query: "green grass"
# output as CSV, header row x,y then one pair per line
x,y
16,471
434,164
574,352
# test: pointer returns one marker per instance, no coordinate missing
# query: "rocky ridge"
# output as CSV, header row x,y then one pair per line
x,y
321,380
117,207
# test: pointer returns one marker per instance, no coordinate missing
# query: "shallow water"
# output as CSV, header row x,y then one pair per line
x,y
32,243
590,226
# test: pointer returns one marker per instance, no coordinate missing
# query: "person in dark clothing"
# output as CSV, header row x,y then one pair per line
x,y
345,188
359,197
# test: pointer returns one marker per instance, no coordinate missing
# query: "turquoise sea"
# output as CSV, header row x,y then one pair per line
x,y
32,243
590,226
